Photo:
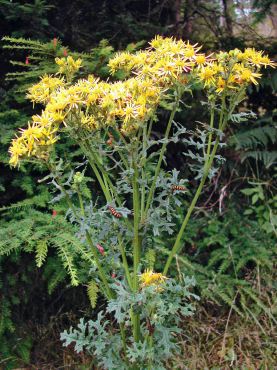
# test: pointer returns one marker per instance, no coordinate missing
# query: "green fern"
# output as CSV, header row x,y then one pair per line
x,y
42,59
37,232
222,260
40,200
92,290
255,143
53,273
41,252
268,158
67,258
6,323
252,138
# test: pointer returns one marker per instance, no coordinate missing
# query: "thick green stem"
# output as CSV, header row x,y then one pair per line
x,y
136,241
101,181
211,132
143,178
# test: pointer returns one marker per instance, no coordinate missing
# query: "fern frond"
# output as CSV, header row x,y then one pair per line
x,y
13,236
251,293
5,317
21,40
67,258
54,273
92,290
251,139
41,252
38,200
79,247
267,157
228,300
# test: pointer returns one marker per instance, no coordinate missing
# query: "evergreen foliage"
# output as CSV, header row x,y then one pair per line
x,y
28,224
93,293
258,142
230,269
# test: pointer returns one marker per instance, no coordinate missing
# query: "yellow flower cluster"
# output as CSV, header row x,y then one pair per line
x,y
35,140
41,92
151,278
229,72
166,62
68,65
126,105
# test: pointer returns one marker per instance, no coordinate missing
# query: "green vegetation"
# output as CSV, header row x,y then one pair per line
x,y
229,246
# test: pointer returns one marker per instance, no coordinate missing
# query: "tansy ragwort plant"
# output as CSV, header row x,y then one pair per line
x,y
112,122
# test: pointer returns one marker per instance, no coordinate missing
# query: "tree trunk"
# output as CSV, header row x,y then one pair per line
x,y
227,12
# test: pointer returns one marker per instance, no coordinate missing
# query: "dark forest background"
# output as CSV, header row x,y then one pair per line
x,y
231,244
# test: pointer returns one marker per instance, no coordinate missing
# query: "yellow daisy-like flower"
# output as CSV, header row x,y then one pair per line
x,y
254,57
68,65
200,59
34,141
150,278
40,92
129,112
248,76
45,119
207,75
244,75
220,85
17,150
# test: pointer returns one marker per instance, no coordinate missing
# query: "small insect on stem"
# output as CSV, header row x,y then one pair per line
x,y
114,212
178,188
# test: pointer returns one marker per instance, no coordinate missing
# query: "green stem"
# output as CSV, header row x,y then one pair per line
x,y
101,181
211,132
101,272
81,201
106,185
123,337
106,177
88,153
136,242
124,261
109,292
144,139
136,206
150,346
163,148
223,119
207,166
150,127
